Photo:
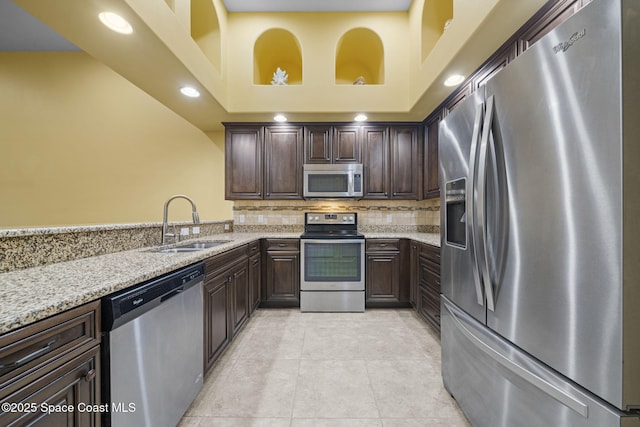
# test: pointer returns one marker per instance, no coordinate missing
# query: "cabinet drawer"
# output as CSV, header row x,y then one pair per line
x,y
282,245
429,308
382,245
29,348
428,276
218,263
426,263
253,248
76,381
430,252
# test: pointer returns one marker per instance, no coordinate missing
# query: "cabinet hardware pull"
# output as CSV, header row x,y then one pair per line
x,y
31,356
89,376
282,245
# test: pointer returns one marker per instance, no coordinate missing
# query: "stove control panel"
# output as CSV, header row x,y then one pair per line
x,y
330,218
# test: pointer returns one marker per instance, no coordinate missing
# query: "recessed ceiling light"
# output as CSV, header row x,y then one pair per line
x,y
360,118
115,22
189,91
280,118
454,80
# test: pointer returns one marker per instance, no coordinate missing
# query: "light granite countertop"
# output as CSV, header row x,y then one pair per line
x,y
35,293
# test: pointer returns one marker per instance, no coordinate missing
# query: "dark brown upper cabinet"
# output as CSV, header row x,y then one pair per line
x,y
430,185
405,165
243,162
283,162
375,155
347,147
332,144
317,144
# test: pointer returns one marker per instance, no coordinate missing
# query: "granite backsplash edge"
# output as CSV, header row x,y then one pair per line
x,y
33,247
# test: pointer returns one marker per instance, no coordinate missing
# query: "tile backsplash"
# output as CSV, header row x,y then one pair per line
x,y
373,215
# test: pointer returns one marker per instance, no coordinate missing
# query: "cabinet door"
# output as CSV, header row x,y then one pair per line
x,y
240,296
383,277
496,63
415,274
74,383
431,186
346,144
457,97
375,149
282,279
243,162
283,162
405,170
216,326
317,144
255,268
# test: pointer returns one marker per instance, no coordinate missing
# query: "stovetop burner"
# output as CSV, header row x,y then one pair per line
x,y
322,225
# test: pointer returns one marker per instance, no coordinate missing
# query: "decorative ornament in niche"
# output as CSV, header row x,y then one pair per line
x,y
280,78
360,81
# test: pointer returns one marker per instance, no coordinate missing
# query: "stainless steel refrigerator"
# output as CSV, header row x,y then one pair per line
x,y
540,214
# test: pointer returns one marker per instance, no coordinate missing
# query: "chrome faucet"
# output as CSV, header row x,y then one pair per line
x,y
166,236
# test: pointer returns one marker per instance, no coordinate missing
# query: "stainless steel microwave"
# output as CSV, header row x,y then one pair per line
x,y
332,181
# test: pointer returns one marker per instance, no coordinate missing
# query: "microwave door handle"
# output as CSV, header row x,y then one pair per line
x,y
351,185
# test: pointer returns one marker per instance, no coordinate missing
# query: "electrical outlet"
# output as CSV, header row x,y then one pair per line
x,y
260,219
184,231
389,218
241,219
227,227
195,230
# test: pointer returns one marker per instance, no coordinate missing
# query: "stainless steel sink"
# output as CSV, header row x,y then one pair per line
x,y
191,247
203,245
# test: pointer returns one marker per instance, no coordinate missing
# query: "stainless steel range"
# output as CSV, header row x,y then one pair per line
x,y
332,270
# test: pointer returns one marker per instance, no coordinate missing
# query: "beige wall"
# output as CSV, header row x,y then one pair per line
x,y
79,144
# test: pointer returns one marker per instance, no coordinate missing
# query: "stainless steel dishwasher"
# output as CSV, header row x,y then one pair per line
x,y
153,354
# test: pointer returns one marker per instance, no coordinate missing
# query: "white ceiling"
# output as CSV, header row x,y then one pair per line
x,y
316,5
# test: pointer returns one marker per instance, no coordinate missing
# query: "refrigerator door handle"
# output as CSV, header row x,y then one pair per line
x,y
548,388
482,204
471,184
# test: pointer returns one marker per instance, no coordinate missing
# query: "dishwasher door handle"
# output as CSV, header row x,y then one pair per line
x,y
171,294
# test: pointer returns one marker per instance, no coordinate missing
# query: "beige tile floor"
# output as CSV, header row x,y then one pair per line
x,y
292,369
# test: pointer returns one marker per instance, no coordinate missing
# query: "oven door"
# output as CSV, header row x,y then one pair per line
x,y
332,265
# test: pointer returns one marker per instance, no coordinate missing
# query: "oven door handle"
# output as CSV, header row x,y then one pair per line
x,y
331,240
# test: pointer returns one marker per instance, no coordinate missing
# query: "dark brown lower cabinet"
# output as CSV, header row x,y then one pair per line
x,y
255,280
386,281
226,301
216,327
281,284
239,293
50,371
428,286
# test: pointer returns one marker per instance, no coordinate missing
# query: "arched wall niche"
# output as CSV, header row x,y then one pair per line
x,y
205,30
435,14
360,53
277,48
